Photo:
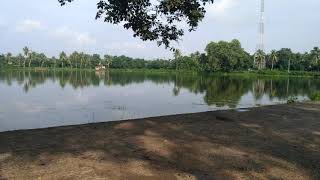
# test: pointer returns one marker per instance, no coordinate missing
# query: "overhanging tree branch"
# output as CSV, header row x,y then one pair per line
x,y
152,21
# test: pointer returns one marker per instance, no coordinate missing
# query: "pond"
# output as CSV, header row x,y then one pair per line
x,y
40,99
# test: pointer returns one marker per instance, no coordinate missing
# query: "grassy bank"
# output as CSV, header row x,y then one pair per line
x,y
172,71
271,73
315,96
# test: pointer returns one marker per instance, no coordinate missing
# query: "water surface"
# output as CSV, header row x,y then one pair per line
x,y
31,99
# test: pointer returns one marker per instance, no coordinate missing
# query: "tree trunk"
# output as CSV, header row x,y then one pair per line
x,y
271,88
288,84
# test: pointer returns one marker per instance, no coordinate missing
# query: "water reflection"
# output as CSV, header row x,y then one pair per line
x,y
217,90
85,96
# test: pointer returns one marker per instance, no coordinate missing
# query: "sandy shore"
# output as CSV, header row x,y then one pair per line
x,y
272,142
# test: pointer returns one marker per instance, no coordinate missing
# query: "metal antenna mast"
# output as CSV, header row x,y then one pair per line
x,y
261,27
260,46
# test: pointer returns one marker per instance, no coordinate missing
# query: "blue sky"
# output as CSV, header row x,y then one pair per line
x,y
46,27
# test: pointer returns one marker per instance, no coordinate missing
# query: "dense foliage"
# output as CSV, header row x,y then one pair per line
x,y
2,59
219,56
315,96
227,56
152,20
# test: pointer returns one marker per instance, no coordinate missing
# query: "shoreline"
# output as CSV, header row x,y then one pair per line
x,y
148,117
264,73
277,141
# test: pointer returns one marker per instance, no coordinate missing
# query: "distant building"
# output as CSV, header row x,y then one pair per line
x,y
100,67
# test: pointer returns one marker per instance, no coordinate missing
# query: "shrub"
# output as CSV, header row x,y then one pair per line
x,y
315,96
292,99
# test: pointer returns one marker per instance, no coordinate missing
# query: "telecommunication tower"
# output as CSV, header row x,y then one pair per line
x,y
260,46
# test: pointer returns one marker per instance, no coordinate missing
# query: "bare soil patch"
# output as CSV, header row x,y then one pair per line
x,y
272,142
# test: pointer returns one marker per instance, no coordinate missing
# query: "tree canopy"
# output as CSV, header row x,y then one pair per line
x,y
220,56
152,20
226,56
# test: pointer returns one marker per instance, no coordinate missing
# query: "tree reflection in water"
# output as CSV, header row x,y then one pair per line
x,y
217,90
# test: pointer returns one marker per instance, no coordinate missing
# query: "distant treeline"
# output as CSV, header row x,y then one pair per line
x,y
218,56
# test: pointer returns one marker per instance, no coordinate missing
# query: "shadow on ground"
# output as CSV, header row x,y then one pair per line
x,y
274,142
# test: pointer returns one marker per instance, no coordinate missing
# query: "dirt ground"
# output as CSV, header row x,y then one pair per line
x,y
272,142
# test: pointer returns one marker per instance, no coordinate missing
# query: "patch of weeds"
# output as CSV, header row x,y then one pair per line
x,y
315,96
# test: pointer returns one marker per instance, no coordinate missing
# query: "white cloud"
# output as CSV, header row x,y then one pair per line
x,y
64,34
73,37
220,7
29,25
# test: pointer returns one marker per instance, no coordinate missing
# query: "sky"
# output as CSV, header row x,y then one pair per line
x,y
46,27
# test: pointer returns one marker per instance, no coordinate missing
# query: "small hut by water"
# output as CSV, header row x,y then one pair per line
x,y
100,67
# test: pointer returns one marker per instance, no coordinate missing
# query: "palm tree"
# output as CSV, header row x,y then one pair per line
x,y
62,58
54,62
81,56
26,52
43,59
70,63
31,56
20,58
177,55
8,58
274,58
109,63
316,62
316,58
74,59
86,58
108,60
260,58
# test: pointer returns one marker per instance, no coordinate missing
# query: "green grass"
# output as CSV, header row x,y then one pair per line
x,y
233,73
155,71
273,73
291,73
315,96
